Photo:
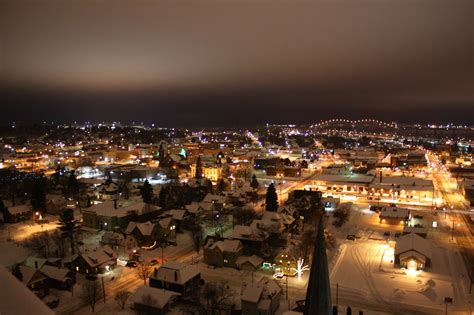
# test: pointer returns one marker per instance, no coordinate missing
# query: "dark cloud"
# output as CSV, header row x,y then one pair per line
x,y
220,62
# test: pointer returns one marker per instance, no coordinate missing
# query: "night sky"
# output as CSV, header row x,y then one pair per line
x,y
211,63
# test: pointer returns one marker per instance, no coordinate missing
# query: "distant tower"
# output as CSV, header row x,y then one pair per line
x,y
318,295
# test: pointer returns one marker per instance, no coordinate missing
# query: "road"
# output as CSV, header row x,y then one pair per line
x,y
457,208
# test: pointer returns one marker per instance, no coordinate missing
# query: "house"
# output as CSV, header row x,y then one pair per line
x,y
110,215
55,204
121,243
413,252
262,298
38,262
214,202
162,300
177,277
252,238
35,280
17,299
249,263
394,215
222,253
93,262
18,213
178,215
167,228
59,278
108,191
146,233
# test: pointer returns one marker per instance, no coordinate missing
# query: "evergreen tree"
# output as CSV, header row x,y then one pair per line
x,y
254,183
271,199
198,168
38,194
73,184
165,197
147,192
220,185
68,225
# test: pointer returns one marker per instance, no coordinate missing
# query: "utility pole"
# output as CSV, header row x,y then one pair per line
x,y
452,231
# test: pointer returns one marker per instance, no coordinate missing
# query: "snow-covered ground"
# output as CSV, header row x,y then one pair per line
x,y
364,274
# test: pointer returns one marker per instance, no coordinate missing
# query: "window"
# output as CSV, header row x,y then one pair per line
x,y
225,261
77,268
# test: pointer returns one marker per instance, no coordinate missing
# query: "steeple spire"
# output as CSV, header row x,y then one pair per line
x,y
318,296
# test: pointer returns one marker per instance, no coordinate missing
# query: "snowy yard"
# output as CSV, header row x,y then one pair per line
x,y
365,275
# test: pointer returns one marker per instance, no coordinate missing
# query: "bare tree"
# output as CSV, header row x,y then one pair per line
x,y
121,298
217,296
197,233
243,216
341,214
91,293
40,243
143,271
59,242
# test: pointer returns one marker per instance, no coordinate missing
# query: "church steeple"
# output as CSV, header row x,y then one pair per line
x,y
318,296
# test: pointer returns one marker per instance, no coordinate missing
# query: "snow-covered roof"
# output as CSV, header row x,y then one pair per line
x,y
176,272
100,256
18,299
229,246
56,273
212,198
162,297
248,233
20,209
414,242
145,228
107,209
341,179
415,229
394,212
178,214
251,292
32,261
165,223
193,207
253,260
30,275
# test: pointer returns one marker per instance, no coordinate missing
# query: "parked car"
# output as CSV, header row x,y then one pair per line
x,y
386,234
131,264
153,262
351,237
398,234
417,216
51,301
91,277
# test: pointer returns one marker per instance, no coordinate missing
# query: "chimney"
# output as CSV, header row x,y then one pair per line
x,y
36,264
115,203
155,272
